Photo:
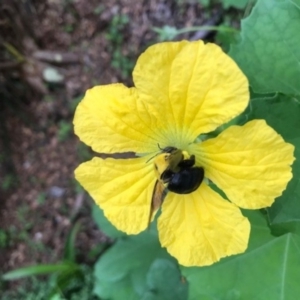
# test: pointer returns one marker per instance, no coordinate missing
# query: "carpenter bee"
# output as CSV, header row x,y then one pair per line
x,y
176,173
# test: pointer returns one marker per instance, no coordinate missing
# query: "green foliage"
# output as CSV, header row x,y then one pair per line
x,y
166,33
268,270
30,289
283,114
83,152
118,22
12,235
235,3
115,36
226,38
38,270
23,212
164,282
240,4
268,50
37,289
75,101
279,229
41,198
129,269
68,28
3,238
122,63
8,182
204,3
68,279
136,267
70,249
64,130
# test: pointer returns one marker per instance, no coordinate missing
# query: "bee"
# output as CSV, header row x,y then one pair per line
x,y
176,172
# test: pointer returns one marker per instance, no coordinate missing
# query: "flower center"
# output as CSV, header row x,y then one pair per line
x,y
177,171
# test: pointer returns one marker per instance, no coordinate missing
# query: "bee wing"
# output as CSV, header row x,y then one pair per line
x,y
158,196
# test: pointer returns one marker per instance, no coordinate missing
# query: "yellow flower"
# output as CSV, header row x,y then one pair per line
x,y
182,89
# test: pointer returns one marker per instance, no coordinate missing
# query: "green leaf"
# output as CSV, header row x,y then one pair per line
x,y
166,33
104,225
56,297
164,282
283,114
287,207
226,38
74,285
268,51
235,3
39,270
66,279
269,269
204,3
70,249
282,228
121,272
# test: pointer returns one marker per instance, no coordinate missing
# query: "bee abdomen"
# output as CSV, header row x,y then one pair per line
x,y
186,180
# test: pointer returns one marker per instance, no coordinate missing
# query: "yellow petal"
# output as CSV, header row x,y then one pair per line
x,y
122,188
200,228
250,163
193,87
110,119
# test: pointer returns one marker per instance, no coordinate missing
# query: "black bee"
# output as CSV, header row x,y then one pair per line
x,y
176,173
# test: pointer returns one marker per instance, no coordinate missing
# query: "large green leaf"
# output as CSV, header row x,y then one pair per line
x,y
287,227
287,207
268,270
283,114
268,51
121,273
164,282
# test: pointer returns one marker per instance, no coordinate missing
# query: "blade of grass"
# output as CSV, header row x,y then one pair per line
x,y
69,249
39,270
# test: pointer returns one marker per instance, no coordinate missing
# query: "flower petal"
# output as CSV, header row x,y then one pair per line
x,y
110,120
192,86
201,227
250,163
122,188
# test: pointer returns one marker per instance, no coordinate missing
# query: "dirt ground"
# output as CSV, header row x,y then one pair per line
x,y
99,42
